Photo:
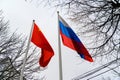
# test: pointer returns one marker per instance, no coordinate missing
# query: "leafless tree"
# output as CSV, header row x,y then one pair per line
x,y
12,51
99,21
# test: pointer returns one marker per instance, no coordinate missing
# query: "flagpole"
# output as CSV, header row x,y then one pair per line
x,y
26,52
59,51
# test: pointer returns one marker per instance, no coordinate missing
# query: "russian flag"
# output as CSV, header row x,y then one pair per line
x,y
70,39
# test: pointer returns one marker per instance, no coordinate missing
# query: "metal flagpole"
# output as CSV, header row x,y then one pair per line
x,y
59,51
26,52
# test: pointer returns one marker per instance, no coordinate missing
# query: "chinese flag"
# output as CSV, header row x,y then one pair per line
x,y
40,41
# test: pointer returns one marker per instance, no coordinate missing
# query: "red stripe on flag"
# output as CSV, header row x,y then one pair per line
x,y
77,46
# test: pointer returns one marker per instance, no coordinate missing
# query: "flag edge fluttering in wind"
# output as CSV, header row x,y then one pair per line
x,y
73,41
40,41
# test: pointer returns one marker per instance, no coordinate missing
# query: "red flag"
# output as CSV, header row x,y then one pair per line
x,y
46,50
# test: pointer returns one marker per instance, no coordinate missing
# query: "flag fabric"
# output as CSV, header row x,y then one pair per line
x,y
70,39
40,41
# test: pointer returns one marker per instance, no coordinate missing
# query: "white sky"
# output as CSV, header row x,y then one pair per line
x,y
21,13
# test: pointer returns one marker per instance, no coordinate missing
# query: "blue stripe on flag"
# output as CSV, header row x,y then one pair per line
x,y
66,30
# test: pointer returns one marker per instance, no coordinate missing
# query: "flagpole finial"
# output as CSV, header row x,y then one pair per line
x,y
58,12
33,20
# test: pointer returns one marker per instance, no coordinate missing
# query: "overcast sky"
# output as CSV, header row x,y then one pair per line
x,y
21,13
